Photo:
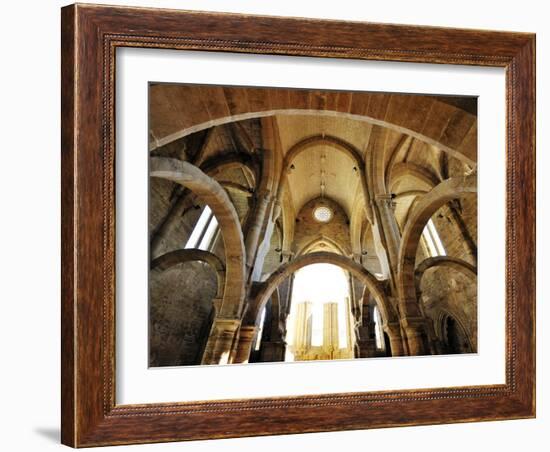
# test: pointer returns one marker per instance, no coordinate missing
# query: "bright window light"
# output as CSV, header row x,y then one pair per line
x,y
432,240
320,284
377,328
260,331
322,214
209,234
204,231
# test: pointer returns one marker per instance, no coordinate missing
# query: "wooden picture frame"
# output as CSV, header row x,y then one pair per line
x,y
90,36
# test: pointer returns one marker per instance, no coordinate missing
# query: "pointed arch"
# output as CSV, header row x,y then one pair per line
x,y
320,239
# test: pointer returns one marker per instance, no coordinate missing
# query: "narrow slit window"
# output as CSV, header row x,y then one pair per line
x,y
260,331
204,231
209,234
378,332
432,240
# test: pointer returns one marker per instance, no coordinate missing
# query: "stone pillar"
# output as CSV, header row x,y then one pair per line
x,y
380,249
264,244
277,210
393,330
366,334
417,336
263,201
273,351
220,341
435,345
389,226
247,334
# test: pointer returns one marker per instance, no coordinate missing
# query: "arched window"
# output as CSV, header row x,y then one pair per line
x,y
204,232
432,241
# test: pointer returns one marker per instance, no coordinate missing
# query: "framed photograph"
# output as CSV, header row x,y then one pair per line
x,y
281,225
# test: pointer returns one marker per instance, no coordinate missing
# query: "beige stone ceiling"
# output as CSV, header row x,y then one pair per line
x,y
322,162
178,110
294,128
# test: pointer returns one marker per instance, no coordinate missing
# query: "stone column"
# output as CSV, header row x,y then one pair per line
x,y
417,336
263,201
393,330
380,250
366,337
247,334
220,342
273,351
390,229
277,210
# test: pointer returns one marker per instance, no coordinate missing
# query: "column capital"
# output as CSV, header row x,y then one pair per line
x,y
286,255
226,324
385,200
414,324
392,328
248,330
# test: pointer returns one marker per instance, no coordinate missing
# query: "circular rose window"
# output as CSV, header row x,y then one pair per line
x,y
322,214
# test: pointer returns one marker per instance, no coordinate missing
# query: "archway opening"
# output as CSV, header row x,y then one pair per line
x,y
455,338
319,325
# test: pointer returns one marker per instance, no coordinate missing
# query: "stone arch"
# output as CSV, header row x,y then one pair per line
x,y
399,120
215,196
440,328
444,261
285,270
230,185
172,258
418,172
358,218
328,140
335,232
407,193
288,216
217,163
446,191
320,239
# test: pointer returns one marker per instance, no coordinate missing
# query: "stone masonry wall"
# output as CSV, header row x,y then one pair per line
x,y
180,306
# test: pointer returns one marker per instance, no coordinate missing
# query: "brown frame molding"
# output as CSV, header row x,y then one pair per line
x,y
90,34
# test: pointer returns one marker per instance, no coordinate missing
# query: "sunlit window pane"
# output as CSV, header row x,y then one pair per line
x,y
432,240
260,331
378,328
199,228
209,234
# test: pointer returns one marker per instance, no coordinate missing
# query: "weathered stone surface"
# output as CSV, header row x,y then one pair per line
x,y
180,306
263,160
